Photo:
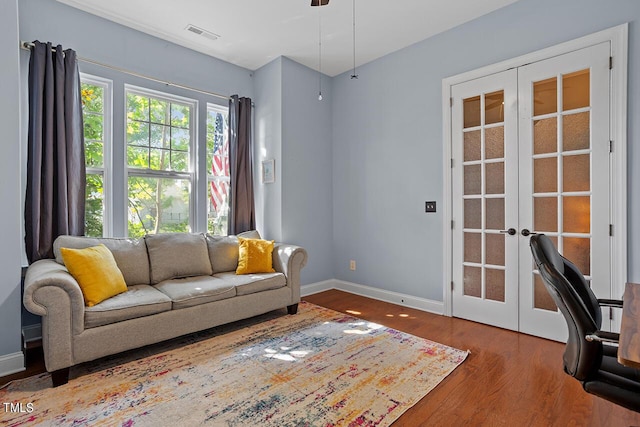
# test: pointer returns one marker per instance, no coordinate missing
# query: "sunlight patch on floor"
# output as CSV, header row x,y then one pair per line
x,y
362,328
285,354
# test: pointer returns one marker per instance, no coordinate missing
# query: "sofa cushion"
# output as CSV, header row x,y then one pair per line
x,y
190,291
138,301
251,283
251,234
175,255
96,272
223,253
130,254
223,250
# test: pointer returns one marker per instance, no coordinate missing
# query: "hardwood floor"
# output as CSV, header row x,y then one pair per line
x,y
509,379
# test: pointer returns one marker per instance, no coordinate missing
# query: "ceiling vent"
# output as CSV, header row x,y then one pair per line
x,y
201,32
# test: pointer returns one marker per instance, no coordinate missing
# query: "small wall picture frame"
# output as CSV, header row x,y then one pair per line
x,y
268,171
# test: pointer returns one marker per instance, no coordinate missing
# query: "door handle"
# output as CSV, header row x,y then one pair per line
x,y
526,232
510,231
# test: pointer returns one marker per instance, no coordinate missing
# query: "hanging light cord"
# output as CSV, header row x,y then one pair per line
x,y
319,55
354,75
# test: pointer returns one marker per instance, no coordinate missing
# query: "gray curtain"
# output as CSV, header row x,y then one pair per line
x,y
55,197
241,204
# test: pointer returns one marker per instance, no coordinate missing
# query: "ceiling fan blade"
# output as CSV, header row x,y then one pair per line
x,y
319,2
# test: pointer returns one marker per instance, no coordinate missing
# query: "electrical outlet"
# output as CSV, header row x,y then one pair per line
x,y
352,265
430,206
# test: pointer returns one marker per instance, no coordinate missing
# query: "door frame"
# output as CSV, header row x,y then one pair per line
x,y
618,37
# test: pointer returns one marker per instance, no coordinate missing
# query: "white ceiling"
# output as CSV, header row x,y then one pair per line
x,y
254,32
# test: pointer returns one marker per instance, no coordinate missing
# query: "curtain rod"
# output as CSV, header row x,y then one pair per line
x,y
29,45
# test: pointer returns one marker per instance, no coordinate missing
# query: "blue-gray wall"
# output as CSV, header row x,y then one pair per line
x,y
387,136
10,193
307,201
294,128
268,145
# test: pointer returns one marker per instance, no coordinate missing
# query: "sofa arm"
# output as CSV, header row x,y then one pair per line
x,y
51,292
289,259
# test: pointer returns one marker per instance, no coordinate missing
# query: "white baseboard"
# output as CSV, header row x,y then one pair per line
x,y
11,363
436,307
314,288
32,332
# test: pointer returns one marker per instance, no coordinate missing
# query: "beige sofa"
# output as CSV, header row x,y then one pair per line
x,y
177,283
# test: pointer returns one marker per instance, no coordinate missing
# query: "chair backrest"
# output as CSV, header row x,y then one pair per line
x,y
577,303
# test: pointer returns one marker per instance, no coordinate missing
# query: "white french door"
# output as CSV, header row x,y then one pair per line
x,y
530,154
485,184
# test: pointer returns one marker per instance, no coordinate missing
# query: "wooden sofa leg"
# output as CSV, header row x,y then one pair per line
x,y
292,309
60,377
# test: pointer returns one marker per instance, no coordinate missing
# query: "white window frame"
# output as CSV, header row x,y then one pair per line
x,y
107,158
191,175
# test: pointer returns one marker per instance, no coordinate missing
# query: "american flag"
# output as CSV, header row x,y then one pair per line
x,y
219,168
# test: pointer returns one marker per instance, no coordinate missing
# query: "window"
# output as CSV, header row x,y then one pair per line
x,y
96,108
159,147
149,183
218,177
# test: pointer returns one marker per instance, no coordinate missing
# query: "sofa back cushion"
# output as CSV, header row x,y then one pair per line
x,y
174,255
130,254
223,253
223,250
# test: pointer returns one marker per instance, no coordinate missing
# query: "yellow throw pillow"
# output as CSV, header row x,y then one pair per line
x,y
96,272
255,256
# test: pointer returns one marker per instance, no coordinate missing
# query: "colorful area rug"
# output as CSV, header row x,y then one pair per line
x,y
317,368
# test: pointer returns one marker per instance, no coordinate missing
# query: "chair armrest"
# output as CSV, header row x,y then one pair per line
x,y
610,303
604,336
289,260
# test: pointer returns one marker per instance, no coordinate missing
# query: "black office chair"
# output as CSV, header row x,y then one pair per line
x,y
586,358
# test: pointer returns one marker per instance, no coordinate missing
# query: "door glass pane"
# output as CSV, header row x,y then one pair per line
x,y
472,148
545,96
541,297
545,175
578,251
472,281
494,284
575,131
495,214
545,136
473,213
494,143
473,247
472,179
576,214
575,90
495,178
494,107
494,249
471,112
545,214
575,173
